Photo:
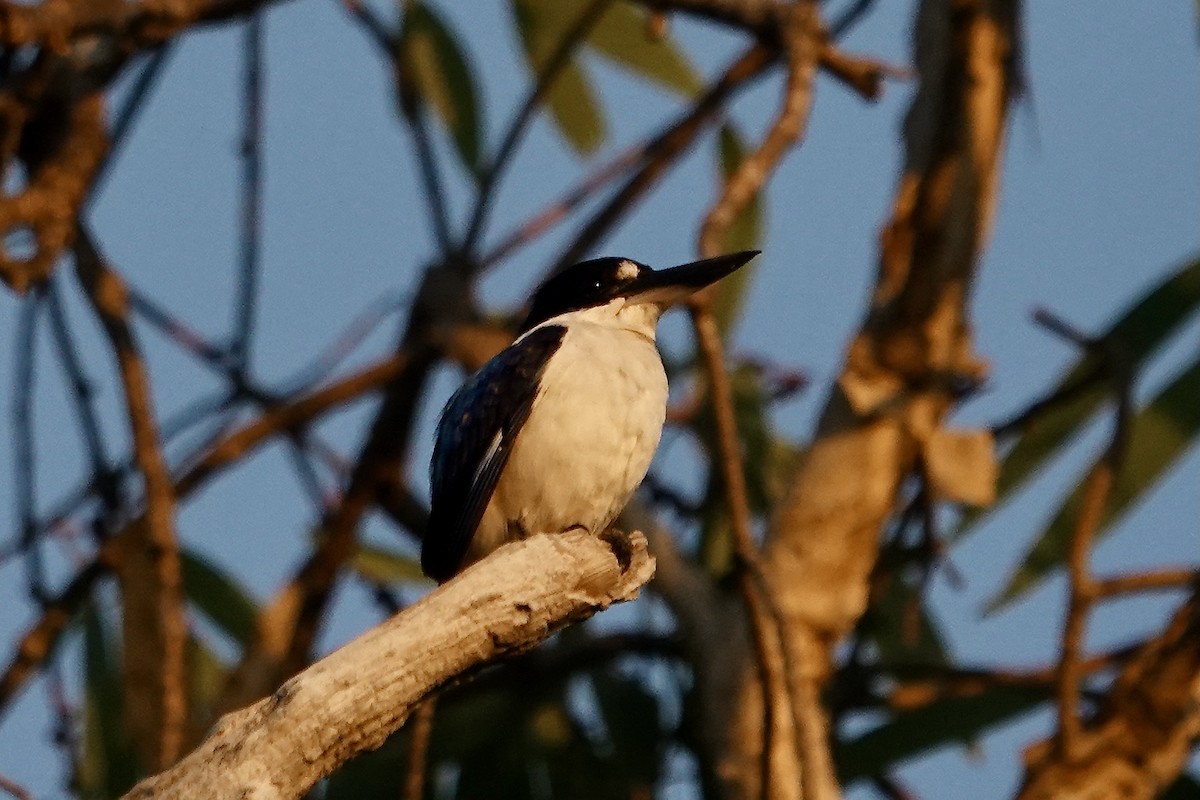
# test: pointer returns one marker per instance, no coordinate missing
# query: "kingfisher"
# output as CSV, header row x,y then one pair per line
x,y
557,431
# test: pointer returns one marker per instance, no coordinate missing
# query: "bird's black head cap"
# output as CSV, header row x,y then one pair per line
x,y
587,284
594,283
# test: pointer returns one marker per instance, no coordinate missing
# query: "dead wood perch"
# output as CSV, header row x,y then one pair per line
x,y
354,698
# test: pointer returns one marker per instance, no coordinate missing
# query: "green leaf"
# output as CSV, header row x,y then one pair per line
x,y
542,24
443,78
107,766
743,233
219,597
1158,436
943,722
619,35
206,680
382,565
576,111
1141,330
622,35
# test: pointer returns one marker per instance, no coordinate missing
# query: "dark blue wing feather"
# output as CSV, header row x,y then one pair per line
x,y
474,440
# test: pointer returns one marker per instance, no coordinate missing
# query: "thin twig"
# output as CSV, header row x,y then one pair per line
x,y
40,639
767,22
343,344
1067,393
850,17
306,473
1162,580
747,180
104,480
155,629
66,729
413,112
250,267
194,413
134,103
186,418
371,23
418,748
664,150
785,132
864,75
35,646
546,78
251,152
24,468
1096,490
13,788
418,128
1060,327
286,417
174,328
215,358
913,686
335,461
556,211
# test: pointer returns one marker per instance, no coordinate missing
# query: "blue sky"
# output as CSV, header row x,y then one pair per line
x,y
1100,198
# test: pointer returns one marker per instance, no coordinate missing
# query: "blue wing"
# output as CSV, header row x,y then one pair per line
x,y
474,440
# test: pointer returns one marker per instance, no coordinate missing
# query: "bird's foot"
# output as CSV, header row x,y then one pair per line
x,y
622,548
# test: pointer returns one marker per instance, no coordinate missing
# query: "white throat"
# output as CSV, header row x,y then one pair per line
x,y
640,318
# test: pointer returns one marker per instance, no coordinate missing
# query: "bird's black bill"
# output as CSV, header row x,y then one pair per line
x,y
676,283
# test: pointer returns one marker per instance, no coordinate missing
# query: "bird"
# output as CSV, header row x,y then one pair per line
x,y
557,431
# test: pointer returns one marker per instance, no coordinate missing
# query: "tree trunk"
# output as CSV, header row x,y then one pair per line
x,y
883,420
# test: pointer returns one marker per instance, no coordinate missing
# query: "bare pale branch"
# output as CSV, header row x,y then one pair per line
x,y
351,700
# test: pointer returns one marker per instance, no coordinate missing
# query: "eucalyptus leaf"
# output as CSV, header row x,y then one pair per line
x,y
206,679
949,721
542,24
381,565
622,34
744,233
107,765
1145,326
443,78
1159,434
219,597
578,114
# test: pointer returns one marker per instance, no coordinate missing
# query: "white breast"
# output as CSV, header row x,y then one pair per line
x,y
589,438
